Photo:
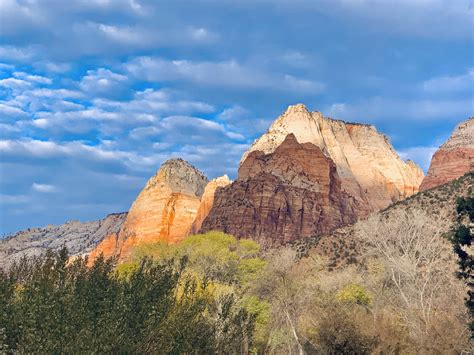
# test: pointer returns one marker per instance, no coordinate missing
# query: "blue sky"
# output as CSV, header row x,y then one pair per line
x,y
96,94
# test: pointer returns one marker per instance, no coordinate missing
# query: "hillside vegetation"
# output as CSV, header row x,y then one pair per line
x,y
394,291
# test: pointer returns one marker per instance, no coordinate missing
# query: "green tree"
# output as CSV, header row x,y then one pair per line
x,y
461,239
54,305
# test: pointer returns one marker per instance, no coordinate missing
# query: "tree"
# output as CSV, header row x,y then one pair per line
x,y
216,256
461,239
280,287
339,334
53,305
418,266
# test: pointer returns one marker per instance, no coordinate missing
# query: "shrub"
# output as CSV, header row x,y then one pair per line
x,y
354,293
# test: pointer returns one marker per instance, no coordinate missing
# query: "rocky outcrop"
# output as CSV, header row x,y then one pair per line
x,y
290,193
454,158
78,237
370,169
163,211
207,200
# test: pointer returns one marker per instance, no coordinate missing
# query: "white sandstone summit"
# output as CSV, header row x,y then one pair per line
x,y
370,168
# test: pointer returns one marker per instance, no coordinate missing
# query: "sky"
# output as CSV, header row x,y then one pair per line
x,y
96,94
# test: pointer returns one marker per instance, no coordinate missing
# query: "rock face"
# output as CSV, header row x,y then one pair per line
x,y
207,201
163,211
78,237
454,158
370,169
292,192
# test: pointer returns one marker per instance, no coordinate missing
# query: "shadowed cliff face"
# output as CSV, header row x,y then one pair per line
x,y
291,193
163,211
369,167
207,201
454,158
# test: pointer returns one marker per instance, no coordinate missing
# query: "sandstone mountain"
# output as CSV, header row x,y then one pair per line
x,y
207,201
79,238
292,192
163,211
307,175
454,158
370,169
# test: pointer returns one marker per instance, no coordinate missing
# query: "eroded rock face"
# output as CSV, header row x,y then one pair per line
x,y
79,237
454,158
290,193
163,211
207,200
370,169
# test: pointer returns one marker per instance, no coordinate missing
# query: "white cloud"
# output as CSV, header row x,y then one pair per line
x,y
241,120
155,102
302,85
102,37
6,67
78,151
234,113
230,74
6,128
43,188
11,111
15,84
185,129
32,78
103,82
56,93
202,34
451,83
53,67
17,54
379,108
414,18
122,34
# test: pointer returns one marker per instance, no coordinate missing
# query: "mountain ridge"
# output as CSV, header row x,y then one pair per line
x,y
363,156
179,200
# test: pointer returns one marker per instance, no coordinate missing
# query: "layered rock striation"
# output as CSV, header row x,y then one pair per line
x,y
163,211
454,158
290,193
370,169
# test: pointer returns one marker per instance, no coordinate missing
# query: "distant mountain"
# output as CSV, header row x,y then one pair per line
x,y
454,158
163,211
288,194
370,169
78,237
308,175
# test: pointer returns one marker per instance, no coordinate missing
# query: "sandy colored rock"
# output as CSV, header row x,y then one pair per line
x,y
454,158
370,169
107,247
207,200
163,211
291,193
